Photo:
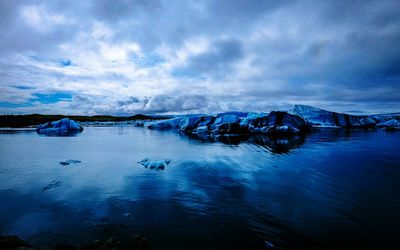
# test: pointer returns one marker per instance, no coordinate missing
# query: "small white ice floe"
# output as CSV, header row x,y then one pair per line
x,y
154,164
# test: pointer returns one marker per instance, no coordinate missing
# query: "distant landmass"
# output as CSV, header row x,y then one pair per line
x,y
19,121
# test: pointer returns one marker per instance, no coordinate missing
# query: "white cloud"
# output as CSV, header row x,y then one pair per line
x,y
42,20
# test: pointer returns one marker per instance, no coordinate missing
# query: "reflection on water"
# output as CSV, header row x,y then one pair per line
x,y
332,189
274,144
278,144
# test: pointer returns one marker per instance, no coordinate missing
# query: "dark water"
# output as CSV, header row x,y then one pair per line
x,y
332,189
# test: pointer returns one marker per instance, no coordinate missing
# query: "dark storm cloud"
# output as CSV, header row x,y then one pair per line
x,y
155,21
130,100
217,60
198,56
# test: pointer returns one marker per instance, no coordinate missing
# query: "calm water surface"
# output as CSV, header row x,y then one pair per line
x,y
332,189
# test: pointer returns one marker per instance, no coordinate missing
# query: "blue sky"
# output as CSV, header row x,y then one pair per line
x,y
158,56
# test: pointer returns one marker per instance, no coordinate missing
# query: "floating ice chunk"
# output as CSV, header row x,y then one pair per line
x,y
297,121
237,123
189,124
61,127
166,124
138,124
390,125
154,164
67,162
323,118
379,118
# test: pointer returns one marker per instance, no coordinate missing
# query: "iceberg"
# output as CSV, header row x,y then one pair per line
x,y
278,123
298,121
61,127
226,123
154,164
166,124
236,123
323,118
190,124
392,124
187,124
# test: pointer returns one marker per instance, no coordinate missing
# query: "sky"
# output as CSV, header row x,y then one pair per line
x,y
123,57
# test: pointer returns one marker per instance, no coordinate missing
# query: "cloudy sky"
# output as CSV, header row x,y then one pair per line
x,y
180,56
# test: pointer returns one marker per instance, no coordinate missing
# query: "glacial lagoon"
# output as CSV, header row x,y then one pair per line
x,y
330,189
